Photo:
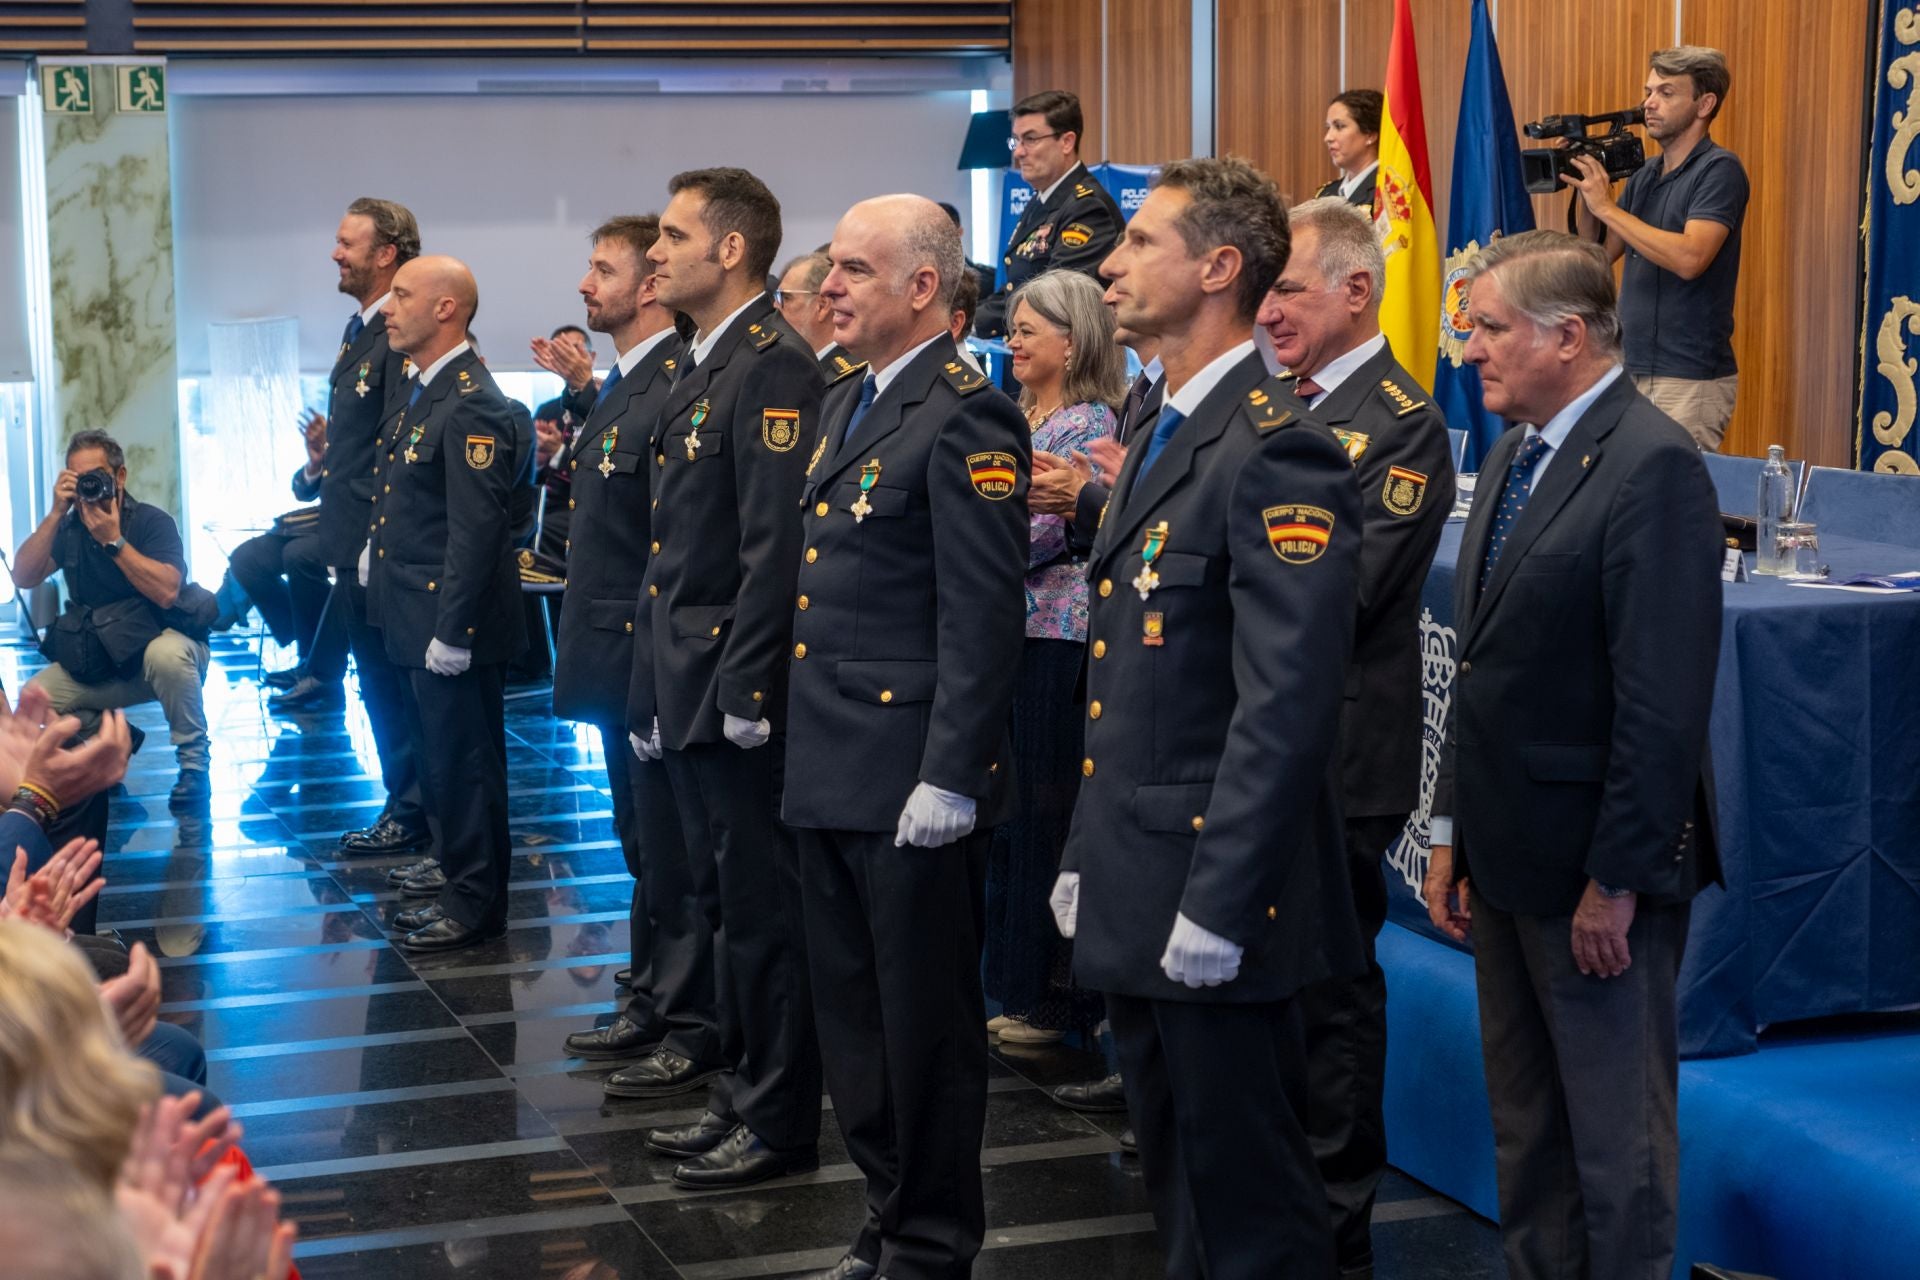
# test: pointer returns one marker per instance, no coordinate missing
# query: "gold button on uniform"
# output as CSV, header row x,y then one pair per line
x,y
1106,587
433,586
383,553
653,590
886,695
716,631
1086,767
757,695
1099,648
1199,823
629,628
813,553
1093,711
469,630
660,458
800,651
1465,667
803,602
572,503
656,548
820,509
1273,913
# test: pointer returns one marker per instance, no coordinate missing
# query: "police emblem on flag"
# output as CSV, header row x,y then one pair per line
x,y
993,474
480,452
1403,491
780,429
1298,534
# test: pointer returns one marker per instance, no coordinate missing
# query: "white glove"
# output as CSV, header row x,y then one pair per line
x,y
1065,902
1199,958
366,563
933,817
445,660
647,748
747,734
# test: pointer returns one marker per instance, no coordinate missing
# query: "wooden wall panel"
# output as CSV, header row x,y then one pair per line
x,y
1149,82
1795,117
1056,45
1272,99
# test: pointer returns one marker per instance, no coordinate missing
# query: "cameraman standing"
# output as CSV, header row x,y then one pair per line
x,y
115,549
1678,222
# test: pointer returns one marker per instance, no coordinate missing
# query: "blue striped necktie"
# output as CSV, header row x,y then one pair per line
x,y
1513,501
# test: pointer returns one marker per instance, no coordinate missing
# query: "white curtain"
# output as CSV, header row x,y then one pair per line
x,y
244,444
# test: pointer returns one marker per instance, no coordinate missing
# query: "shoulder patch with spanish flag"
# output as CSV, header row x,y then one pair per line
x,y
480,451
1403,491
993,475
780,429
1077,235
1297,533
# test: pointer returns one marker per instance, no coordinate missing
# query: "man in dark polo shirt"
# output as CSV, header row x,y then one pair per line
x,y
1678,223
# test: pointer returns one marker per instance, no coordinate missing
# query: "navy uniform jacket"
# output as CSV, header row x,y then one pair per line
x,y
909,622
369,382
1362,194
607,550
1577,743
1074,231
1213,706
442,566
729,450
1404,461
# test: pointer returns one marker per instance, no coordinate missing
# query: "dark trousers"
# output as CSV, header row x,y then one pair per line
x,y
893,942
286,578
459,731
1345,1024
672,944
746,874
1583,1081
1216,1093
384,690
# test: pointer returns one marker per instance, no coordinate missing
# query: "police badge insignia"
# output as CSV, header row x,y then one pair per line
x,y
1077,235
1403,491
780,429
1298,534
993,475
480,451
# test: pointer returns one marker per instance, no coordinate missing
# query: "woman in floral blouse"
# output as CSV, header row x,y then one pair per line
x,y
1072,375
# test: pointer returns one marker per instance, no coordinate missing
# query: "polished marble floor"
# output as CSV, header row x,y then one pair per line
x,y
419,1113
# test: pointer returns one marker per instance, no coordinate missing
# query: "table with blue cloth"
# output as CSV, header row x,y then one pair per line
x,y
1816,756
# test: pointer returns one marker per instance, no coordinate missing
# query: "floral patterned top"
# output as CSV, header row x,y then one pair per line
x,y
1056,586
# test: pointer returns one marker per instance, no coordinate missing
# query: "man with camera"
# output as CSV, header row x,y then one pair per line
x,y
124,565
1678,223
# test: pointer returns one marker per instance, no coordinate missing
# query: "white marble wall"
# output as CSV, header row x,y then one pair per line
x,y
110,245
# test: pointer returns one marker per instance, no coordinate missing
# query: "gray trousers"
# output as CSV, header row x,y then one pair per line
x,y
171,674
1583,1082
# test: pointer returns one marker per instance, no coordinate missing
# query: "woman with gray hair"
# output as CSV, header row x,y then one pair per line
x,y
1072,374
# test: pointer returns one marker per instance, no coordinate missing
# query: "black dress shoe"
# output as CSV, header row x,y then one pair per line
x,y
624,978
741,1160
1092,1095
309,694
623,1038
281,679
417,917
384,837
660,1074
398,876
189,789
427,884
1127,1145
695,1139
447,934
848,1268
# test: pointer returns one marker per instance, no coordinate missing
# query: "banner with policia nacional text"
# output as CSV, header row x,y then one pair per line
x,y
1886,437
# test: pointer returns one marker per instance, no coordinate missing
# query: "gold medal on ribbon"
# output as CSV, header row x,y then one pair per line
x,y
1146,580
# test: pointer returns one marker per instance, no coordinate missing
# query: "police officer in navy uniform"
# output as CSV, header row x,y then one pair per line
x,y
1203,879
807,314
1070,222
442,587
1323,315
907,630
611,467
729,451
376,238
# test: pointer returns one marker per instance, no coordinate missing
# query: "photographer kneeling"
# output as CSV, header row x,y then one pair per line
x,y
125,567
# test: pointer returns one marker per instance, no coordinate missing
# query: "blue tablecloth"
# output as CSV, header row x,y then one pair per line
x,y
1816,749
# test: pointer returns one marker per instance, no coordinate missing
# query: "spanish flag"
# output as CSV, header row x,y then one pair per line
x,y
1403,211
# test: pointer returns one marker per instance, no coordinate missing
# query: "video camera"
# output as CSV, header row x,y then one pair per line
x,y
1620,153
95,486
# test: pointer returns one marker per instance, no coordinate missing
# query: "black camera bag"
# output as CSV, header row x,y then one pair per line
x,y
100,644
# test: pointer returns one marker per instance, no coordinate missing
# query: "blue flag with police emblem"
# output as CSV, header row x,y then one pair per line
x,y
1890,308
1489,199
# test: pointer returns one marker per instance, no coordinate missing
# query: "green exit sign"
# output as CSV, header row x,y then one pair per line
x,y
143,88
67,90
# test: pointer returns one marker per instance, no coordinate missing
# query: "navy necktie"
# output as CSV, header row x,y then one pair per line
x,y
1513,501
869,388
354,328
1130,412
419,388
606,384
1169,422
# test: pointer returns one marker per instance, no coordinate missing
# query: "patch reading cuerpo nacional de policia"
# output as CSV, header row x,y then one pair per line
x,y
1298,534
993,475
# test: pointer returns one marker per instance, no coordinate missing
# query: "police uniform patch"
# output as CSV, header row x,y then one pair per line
x,y
993,474
780,429
1354,442
963,377
1403,491
1076,235
1298,534
480,451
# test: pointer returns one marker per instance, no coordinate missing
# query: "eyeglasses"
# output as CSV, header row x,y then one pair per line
x,y
1027,140
780,296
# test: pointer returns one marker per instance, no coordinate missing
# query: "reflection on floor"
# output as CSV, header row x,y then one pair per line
x,y
419,1113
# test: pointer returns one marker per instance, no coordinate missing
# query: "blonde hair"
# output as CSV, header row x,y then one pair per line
x,y
68,1086
56,1225
1072,303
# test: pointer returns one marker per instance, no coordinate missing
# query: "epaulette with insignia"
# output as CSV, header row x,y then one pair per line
x,y
762,336
1264,411
847,370
667,365
1082,190
1402,403
963,377
1286,375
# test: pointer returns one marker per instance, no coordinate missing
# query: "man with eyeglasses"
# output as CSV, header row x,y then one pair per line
x,y
1070,222
807,313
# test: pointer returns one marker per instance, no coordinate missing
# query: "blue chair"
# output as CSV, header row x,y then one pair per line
x,y
1872,506
1459,439
1737,481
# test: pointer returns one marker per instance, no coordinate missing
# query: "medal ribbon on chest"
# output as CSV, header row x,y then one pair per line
x,y
360,387
700,411
412,440
607,441
1146,580
861,508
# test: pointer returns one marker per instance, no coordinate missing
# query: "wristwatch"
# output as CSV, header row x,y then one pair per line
x,y
113,548
1609,891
